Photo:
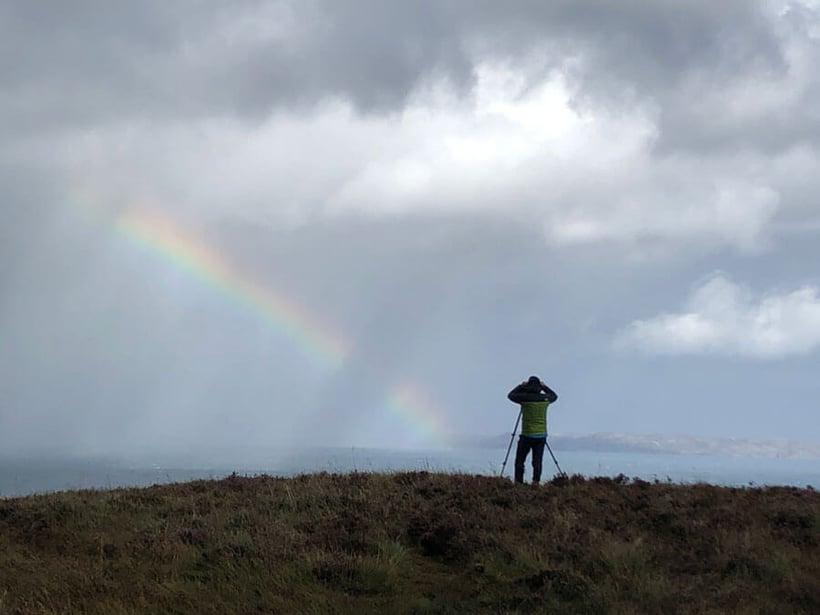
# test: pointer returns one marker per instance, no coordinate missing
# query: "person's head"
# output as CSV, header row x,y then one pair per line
x,y
534,381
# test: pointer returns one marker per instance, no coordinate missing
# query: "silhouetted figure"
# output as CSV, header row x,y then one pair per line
x,y
534,397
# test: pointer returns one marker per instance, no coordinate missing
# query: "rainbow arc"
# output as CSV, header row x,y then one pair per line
x,y
162,236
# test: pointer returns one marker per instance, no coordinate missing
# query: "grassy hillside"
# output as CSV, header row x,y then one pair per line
x,y
412,543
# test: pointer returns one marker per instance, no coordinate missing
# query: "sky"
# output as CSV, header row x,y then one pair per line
x,y
361,223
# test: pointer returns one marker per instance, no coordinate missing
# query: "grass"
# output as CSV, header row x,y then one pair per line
x,y
412,543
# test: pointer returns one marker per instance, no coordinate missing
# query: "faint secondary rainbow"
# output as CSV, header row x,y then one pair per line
x,y
162,236
159,234
418,411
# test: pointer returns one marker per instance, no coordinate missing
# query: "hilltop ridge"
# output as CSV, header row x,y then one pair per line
x,y
412,542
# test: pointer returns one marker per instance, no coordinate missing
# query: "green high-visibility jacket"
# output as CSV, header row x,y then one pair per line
x,y
534,401
534,418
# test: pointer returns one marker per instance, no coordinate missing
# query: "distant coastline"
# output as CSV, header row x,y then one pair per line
x,y
666,444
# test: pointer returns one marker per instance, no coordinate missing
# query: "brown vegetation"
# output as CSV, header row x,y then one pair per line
x,y
412,543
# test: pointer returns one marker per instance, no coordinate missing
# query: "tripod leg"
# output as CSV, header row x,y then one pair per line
x,y
560,471
512,437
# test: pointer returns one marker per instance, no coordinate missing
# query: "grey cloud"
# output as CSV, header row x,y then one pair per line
x,y
96,61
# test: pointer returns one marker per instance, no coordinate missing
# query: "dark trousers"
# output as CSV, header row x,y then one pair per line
x,y
525,445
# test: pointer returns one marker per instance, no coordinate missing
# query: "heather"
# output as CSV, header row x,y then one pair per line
x,y
412,542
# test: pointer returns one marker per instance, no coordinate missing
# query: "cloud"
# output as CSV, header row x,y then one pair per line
x,y
617,124
90,63
515,152
620,123
723,318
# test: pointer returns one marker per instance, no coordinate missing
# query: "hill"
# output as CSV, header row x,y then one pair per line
x,y
412,543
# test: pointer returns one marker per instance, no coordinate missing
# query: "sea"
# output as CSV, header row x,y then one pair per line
x,y
21,476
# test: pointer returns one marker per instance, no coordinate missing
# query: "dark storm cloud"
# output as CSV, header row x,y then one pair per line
x,y
96,61
91,61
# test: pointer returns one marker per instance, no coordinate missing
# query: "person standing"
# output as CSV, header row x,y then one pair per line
x,y
534,397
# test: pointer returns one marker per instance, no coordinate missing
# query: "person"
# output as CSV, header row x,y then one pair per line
x,y
534,397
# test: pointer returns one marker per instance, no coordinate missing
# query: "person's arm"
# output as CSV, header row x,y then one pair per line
x,y
552,396
515,395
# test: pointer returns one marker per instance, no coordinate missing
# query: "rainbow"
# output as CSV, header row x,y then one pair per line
x,y
162,236
417,410
159,234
